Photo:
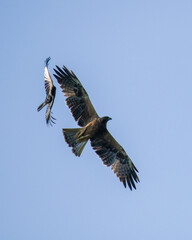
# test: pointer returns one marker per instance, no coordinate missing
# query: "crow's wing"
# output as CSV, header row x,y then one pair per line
x,y
47,78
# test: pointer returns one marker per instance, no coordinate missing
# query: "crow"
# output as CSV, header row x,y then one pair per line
x,y
50,94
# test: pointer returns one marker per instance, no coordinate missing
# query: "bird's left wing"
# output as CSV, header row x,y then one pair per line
x,y
112,154
77,98
47,78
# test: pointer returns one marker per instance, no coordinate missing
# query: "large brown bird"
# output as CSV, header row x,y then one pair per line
x,y
93,128
50,94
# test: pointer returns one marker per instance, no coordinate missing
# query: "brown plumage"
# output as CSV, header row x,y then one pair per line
x,y
93,128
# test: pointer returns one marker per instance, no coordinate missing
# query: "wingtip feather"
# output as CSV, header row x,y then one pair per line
x,y
47,61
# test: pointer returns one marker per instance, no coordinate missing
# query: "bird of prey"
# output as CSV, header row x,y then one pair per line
x,y
93,128
50,94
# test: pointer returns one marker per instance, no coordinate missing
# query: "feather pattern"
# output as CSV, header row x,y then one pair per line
x,y
47,78
112,154
70,135
77,98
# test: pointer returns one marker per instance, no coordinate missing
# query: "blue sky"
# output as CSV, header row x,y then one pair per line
x,y
134,58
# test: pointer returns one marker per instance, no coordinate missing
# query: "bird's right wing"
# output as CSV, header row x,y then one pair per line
x,y
112,154
47,78
77,98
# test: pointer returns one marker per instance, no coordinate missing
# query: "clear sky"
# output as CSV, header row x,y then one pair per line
x,y
134,58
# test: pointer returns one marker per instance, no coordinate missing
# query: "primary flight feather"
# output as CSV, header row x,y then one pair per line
x,y
93,128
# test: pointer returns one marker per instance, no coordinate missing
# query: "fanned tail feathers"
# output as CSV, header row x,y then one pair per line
x,y
70,135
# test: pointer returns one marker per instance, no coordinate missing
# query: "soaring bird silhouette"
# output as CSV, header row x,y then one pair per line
x,y
93,128
50,94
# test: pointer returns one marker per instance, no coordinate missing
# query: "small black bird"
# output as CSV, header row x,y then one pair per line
x,y
50,94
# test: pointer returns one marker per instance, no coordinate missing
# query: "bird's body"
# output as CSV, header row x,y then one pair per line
x,y
93,128
77,137
50,94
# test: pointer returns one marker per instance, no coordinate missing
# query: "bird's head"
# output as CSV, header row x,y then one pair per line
x,y
105,119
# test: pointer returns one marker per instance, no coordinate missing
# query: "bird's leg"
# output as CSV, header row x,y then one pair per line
x,y
80,137
83,138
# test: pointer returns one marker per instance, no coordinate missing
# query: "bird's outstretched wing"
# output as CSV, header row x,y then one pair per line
x,y
112,154
77,98
49,118
47,77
